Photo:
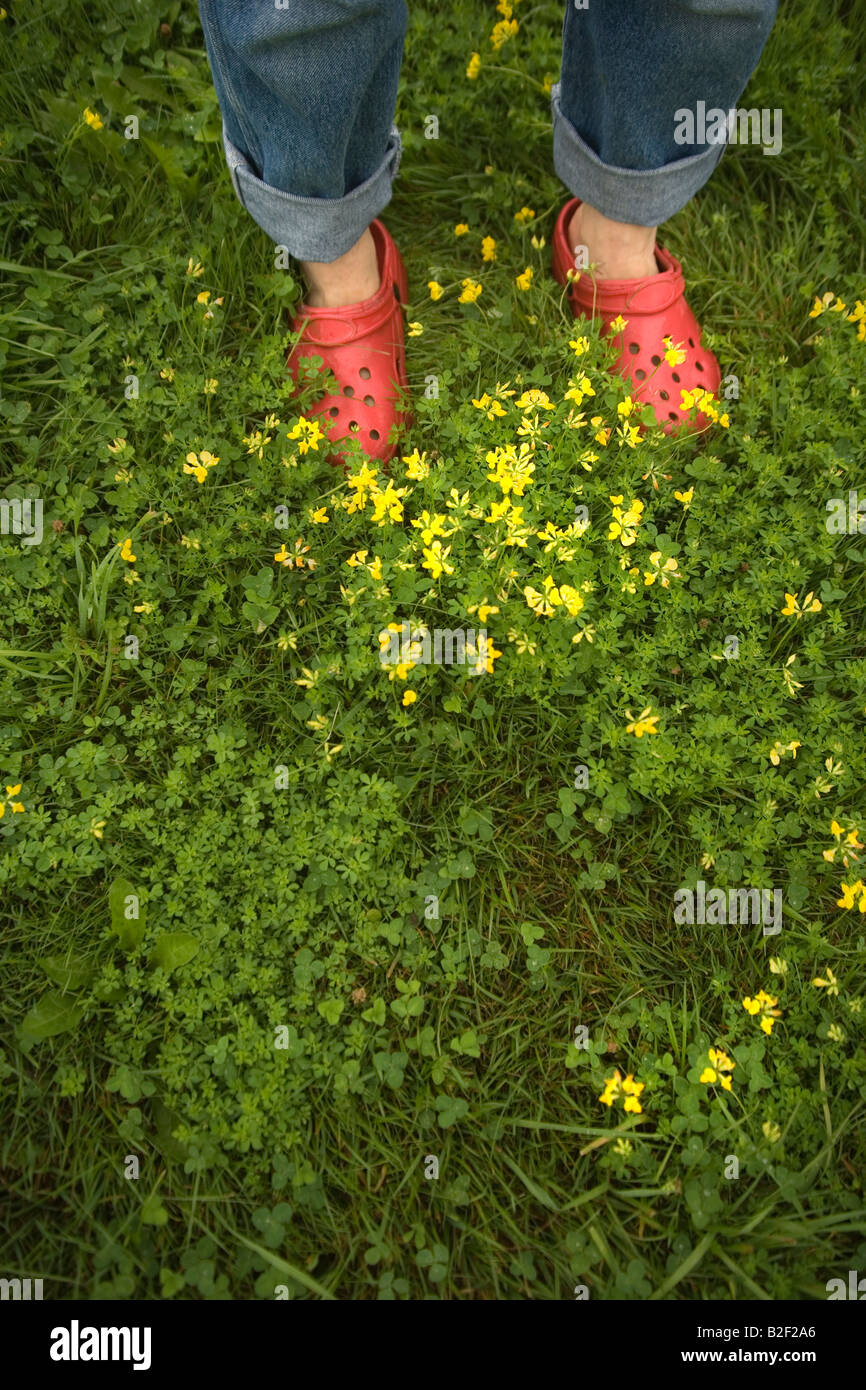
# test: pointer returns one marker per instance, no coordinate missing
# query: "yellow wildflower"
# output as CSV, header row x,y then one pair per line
x,y
720,1065
16,807
778,751
431,526
198,464
491,407
308,433
470,292
764,1005
502,32
435,559
793,608
534,399
674,353
513,470
417,466
361,483
617,1086
846,840
852,892
831,984
643,724
665,572
387,505
624,525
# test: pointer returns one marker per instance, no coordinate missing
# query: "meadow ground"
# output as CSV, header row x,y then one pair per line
x,y
372,981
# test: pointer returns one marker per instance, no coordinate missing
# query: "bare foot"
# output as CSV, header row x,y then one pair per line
x,y
618,250
349,279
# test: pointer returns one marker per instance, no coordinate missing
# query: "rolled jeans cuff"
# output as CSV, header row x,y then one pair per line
x,y
643,197
313,229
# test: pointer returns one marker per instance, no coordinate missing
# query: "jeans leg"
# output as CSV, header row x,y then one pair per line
x,y
629,68
307,93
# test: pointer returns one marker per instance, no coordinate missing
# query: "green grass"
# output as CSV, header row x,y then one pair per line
x,y
305,1168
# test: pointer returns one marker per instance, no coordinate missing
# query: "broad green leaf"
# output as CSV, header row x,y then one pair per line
x,y
69,972
170,164
173,949
153,1213
54,1013
127,913
165,1121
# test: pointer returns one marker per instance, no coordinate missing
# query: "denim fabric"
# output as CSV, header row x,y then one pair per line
x,y
627,67
307,95
307,91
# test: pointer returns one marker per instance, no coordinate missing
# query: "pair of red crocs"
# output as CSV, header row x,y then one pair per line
x,y
362,345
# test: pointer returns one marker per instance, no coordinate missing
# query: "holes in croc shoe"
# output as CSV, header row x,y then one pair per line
x,y
348,390
640,374
354,426
334,412
364,373
374,434
368,400
700,366
664,395
656,361
672,415
691,342
675,376
396,289
634,348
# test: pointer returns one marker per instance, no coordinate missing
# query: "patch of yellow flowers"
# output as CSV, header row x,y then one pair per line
x,y
625,1088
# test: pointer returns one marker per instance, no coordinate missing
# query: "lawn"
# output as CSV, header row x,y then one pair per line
x,y
334,972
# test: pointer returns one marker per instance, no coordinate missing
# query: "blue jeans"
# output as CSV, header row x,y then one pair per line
x,y
307,90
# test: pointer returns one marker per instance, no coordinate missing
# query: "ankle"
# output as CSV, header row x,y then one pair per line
x,y
349,279
617,250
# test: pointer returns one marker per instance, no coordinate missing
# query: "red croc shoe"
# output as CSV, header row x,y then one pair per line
x,y
362,346
654,308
